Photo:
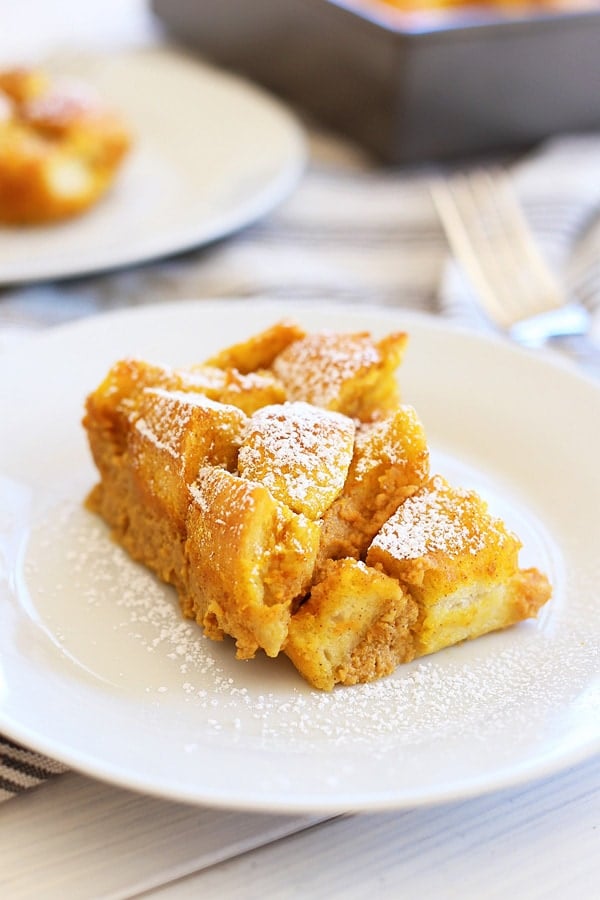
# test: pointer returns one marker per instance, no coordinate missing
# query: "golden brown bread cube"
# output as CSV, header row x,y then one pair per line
x,y
22,84
173,436
459,563
144,495
110,411
248,391
259,351
113,408
300,452
355,627
250,559
118,393
60,148
349,373
390,462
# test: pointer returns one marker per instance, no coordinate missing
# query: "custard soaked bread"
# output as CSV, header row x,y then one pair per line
x,y
285,491
60,147
459,564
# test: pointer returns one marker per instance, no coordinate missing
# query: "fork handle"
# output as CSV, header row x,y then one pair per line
x,y
580,348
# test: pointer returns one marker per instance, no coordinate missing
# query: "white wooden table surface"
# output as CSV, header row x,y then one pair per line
x,y
75,837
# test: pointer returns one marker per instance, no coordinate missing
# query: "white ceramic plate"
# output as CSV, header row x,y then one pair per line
x,y
98,669
211,154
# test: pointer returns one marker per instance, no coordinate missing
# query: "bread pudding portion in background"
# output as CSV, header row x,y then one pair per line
x,y
60,147
498,5
285,491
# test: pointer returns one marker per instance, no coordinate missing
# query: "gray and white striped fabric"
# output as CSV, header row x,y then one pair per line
x,y
352,232
21,769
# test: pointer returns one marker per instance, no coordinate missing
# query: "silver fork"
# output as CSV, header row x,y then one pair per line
x,y
490,236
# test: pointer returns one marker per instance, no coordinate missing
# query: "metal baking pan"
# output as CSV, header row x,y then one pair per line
x,y
410,88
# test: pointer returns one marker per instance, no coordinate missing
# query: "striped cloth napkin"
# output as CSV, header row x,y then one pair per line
x,y
21,769
353,233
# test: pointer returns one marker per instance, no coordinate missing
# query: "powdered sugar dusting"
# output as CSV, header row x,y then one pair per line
x,y
389,450
115,620
170,442
187,400
300,453
432,521
62,103
315,368
167,417
214,489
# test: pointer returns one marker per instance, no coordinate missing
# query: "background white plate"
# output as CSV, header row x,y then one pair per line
x,y
212,153
98,669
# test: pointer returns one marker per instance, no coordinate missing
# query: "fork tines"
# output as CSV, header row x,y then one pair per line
x,y
489,235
